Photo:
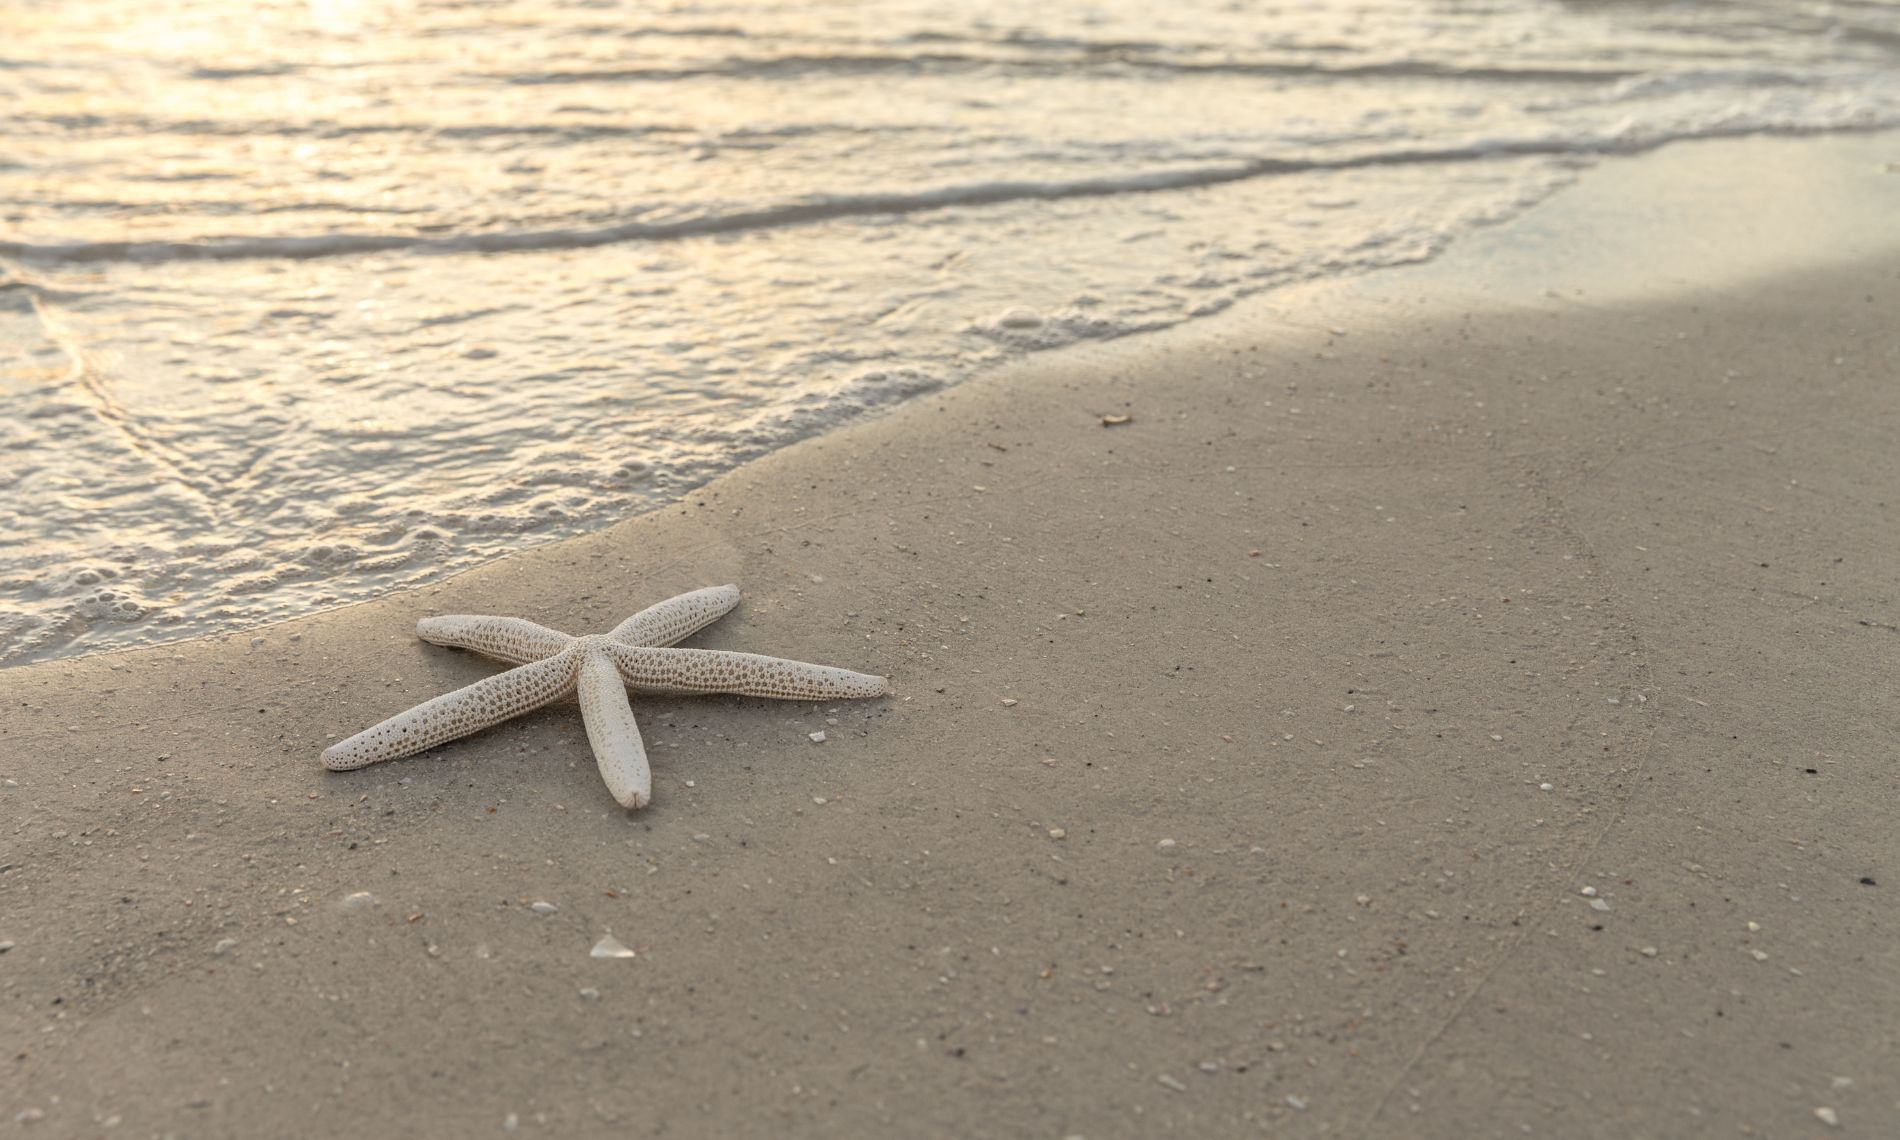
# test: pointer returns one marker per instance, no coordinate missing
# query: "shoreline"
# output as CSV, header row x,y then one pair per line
x,y
180,585
177,612
1324,618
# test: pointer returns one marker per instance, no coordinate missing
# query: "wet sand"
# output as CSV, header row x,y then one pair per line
x,y
1456,703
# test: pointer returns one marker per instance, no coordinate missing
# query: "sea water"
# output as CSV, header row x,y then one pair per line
x,y
303,302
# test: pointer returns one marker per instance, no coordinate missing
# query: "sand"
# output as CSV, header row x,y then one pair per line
x,y
1457,703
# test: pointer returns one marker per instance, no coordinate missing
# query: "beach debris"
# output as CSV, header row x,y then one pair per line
x,y
817,737
542,908
224,946
1114,420
1827,1116
1167,1081
1010,702
1599,904
550,664
358,900
6,944
1058,833
1296,1103
1164,845
610,947
589,993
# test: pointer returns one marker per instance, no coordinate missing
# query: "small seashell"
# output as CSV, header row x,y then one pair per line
x,y
610,947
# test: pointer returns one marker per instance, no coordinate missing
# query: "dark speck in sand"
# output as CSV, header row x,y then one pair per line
x,y
1868,881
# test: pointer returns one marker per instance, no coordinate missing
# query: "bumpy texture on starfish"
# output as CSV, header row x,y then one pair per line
x,y
552,664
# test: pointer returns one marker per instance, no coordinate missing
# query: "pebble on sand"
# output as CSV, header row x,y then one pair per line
x,y
543,908
1828,1116
1165,845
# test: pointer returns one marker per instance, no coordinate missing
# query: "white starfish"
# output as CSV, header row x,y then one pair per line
x,y
552,664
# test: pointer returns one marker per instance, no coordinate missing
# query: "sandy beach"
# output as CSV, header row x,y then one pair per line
x,y
1457,702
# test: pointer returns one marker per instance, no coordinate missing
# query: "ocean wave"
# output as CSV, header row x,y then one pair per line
x,y
794,66
1624,138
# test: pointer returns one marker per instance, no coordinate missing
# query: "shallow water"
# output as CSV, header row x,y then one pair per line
x,y
304,302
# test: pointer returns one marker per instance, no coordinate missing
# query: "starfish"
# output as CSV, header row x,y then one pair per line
x,y
551,664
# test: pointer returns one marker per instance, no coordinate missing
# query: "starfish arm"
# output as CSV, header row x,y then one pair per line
x,y
677,618
612,732
451,715
511,639
748,674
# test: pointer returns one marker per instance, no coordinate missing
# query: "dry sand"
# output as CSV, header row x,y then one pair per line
x,y
1339,673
